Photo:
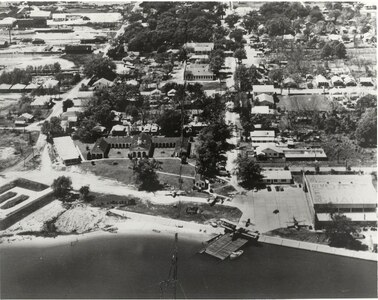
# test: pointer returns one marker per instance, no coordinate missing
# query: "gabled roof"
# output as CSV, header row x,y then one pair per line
x,y
103,81
265,97
18,86
100,146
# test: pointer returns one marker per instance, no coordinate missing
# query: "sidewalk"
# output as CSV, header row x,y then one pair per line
x,y
318,248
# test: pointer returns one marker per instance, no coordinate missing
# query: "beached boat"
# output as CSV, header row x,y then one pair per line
x,y
236,254
155,230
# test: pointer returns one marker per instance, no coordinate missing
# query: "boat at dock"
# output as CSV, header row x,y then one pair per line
x,y
236,254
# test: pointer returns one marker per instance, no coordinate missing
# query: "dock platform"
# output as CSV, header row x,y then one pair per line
x,y
223,246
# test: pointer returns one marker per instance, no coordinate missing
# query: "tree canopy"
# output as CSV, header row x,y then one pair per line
x,y
145,174
100,67
366,132
249,172
62,186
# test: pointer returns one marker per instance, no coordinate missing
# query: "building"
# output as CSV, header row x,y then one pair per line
x,y
277,177
303,154
200,182
142,145
200,48
7,22
100,150
352,195
321,81
366,81
262,136
263,89
18,88
101,83
269,150
40,14
67,150
198,72
5,88
31,23
262,110
78,49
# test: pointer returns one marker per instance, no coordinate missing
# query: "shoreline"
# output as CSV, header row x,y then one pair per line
x,y
124,228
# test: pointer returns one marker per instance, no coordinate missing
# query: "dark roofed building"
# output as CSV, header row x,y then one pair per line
x,y
100,149
141,146
78,49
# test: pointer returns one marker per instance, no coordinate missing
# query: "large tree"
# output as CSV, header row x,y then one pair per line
x,y
145,174
216,60
249,172
240,54
101,67
366,132
340,230
62,186
52,128
279,25
231,20
170,123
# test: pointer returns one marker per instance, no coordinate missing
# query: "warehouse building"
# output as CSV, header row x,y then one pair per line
x,y
67,150
352,195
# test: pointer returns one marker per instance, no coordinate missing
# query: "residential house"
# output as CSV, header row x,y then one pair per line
x,y
262,110
263,136
40,14
41,101
119,130
101,83
18,88
366,81
263,89
5,88
265,100
321,81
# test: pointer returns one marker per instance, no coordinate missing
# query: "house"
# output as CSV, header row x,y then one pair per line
x,y
349,81
277,177
269,150
262,136
67,150
31,87
199,72
18,88
199,59
5,88
366,81
7,22
263,89
262,110
352,195
101,83
337,81
151,128
41,101
321,81
78,49
265,100
27,117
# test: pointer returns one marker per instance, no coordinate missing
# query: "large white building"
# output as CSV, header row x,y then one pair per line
x,y
352,195
67,150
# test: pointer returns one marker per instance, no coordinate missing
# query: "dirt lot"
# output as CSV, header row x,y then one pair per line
x,y
305,103
14,146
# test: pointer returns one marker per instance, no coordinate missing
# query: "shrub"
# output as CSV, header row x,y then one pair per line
x,y
14,201
7,196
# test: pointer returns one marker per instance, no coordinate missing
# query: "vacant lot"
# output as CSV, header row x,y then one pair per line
x,y
121,170
15,146
305,103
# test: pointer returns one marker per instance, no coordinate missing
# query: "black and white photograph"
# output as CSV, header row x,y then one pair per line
x,y
188,149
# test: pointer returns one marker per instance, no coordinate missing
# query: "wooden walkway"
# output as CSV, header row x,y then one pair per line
x,y
224,246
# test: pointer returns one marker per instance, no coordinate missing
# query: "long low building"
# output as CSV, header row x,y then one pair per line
x,y
351,195
67,150
277,177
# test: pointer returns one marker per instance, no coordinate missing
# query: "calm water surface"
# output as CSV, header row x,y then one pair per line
x,y
133,266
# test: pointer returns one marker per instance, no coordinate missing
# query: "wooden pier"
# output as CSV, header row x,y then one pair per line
x,y
223,246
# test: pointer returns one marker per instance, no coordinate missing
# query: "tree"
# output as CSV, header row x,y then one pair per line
x,y
251,21
212,145
327,51
231,20
62,186
56,67
145,174
240,54
279,25
340,230
237,35
67,104
170,123
249,173
216,60
366,132
101,67
365,102
84,192
52,128
340,51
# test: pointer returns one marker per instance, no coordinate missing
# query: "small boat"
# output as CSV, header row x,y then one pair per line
x,y
155,230
236,254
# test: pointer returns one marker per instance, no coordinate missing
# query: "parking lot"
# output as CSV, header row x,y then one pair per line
x,y
273,209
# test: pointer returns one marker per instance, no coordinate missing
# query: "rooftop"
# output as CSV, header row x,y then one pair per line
x,y
277,174
342,189
66,148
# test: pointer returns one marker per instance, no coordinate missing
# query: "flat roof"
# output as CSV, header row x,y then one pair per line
x,y
263,133
357,217
263,88
276,174
342,189
66,148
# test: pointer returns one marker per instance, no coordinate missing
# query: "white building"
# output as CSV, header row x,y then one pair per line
x,y
277,177
67,150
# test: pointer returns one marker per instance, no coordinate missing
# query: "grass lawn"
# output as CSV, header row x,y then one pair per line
x,y
225,190
300,235
173,166
83,147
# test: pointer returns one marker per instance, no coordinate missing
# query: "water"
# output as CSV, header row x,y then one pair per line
x,y
133,266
